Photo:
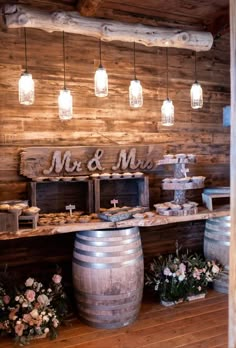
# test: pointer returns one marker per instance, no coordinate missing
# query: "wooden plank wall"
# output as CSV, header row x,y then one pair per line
x,y
109,121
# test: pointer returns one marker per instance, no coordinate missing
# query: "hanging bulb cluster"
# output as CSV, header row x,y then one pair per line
x,y
65,101
167,109
100,77
196,91
26,83
135,90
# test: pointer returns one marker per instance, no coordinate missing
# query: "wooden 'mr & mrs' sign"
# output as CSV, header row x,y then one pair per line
x,y
81,160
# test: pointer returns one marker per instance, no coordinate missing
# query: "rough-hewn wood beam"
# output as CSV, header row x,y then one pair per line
x,y
16,16
88,7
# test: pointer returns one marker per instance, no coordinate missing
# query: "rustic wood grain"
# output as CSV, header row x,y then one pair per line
x,y
88,7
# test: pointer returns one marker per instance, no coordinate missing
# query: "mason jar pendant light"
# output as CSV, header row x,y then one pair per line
x,y
65,97
100,77
26,83
196,91
167,109
135,90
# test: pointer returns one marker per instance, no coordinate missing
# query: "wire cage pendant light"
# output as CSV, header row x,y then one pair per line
x,y
196,93
135,90
100,77
26,82
65,100
167,109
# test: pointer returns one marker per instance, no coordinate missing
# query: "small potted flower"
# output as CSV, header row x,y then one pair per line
x,y
168,277
200,273
181,276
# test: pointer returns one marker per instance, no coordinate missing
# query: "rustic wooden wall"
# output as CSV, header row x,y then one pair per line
x,y
109,121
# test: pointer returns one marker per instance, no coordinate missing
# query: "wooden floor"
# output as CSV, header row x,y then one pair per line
x,y
201,323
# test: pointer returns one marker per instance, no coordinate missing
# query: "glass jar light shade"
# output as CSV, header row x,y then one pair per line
x,y
135,94
167,113
101,82
65,105
26,89
196,96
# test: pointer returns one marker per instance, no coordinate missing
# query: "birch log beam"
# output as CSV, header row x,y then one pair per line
x,y
17,16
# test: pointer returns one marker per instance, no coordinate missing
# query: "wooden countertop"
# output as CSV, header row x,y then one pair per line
x,y
157,220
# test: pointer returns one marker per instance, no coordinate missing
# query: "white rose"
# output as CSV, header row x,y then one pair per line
x,y
43,300
34,313
46,330
29,282
215,269
46,318
181,277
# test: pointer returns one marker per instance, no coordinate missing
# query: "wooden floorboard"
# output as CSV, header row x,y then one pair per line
x,y
199,324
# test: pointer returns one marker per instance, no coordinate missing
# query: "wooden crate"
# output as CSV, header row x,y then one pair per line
x,y
128,191
52,197
9,222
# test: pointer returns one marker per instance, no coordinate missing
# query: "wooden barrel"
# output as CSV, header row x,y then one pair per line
x,y
108,276
216,247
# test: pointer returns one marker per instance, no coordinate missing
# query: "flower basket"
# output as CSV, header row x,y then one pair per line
x,y
181,276
196,297
171,303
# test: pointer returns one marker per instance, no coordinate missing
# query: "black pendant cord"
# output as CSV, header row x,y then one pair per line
x,y
26,62
135,78
195,66
167,74
64,59
100,53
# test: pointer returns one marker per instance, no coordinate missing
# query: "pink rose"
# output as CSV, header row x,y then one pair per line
x,y
27,318
167,271
19,328
57,278
6,299
30,295
182,267
29,282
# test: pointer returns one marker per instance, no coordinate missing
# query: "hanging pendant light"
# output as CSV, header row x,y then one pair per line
x,y
26,83
100,77
65,98
167,109
135,90
196,91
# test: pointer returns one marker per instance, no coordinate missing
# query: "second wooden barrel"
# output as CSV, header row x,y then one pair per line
x,y
108,276
216,247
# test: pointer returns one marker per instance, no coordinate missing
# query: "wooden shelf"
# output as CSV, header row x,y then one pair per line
x,y
156,220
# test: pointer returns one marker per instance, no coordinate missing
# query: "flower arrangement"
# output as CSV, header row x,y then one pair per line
x,y
32,310
178,276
